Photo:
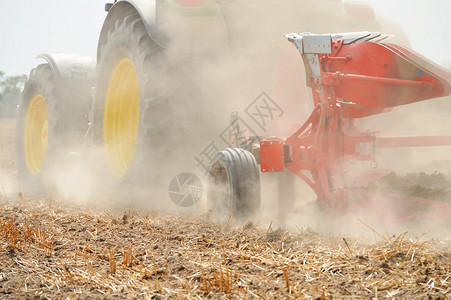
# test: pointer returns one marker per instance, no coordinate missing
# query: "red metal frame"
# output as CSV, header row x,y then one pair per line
x,y
356,80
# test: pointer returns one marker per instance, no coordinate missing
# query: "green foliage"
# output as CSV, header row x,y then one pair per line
x,y
10,94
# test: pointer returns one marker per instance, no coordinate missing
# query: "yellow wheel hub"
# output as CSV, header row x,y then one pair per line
x,y
121,117
36,135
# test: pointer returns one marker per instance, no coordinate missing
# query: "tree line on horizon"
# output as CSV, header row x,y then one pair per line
x,y
10,94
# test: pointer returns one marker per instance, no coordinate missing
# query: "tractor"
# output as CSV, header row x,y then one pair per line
x,y
166,71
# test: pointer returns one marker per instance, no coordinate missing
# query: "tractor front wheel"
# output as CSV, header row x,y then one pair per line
x,y
36,131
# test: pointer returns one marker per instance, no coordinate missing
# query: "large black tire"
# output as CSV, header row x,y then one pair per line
x,y
37,113
156,137
47,129
234,186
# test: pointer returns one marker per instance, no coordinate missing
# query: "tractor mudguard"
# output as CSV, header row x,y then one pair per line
x,y
56,100
74,76
188,26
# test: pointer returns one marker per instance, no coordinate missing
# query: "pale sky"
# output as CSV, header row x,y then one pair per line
x,y
427,23
31,27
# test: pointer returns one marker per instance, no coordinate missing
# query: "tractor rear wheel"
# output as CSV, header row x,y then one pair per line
x,y
141,112
234,183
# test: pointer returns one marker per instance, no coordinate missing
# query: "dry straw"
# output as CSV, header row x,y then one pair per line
x,y
53,252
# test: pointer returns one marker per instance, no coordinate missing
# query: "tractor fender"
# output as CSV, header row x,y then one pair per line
x,y
170,24
74,75
74,78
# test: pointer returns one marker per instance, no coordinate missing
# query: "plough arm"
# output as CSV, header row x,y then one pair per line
x,y
351,76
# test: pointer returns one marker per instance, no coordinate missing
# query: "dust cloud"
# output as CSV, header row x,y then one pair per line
x,y
8,184
226,72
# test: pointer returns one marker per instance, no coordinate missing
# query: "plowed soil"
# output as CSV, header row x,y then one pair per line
x,y
50,248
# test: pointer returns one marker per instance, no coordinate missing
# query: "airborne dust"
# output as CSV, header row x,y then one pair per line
x,y
231,78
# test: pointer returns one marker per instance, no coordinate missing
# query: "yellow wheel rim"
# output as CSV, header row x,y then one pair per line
x,y
36,135
121,117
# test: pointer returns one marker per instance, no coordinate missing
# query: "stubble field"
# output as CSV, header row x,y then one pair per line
x,y
52,248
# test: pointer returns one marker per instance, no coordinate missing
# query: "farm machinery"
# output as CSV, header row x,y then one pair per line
x,y
128,115
351,76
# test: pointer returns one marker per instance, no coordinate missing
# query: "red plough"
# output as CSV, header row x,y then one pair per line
x,y
351,76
